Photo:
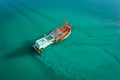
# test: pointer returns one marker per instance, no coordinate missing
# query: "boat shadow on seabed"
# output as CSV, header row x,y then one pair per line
x,y
25,50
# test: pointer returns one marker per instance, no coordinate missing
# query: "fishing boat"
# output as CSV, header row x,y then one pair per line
x,y
55,36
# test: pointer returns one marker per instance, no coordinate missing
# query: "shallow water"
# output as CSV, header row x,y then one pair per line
x,y
92,52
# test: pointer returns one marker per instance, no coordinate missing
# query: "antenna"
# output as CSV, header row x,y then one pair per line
x,y
66,22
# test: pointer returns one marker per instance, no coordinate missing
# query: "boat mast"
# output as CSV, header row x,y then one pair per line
x,y
65,22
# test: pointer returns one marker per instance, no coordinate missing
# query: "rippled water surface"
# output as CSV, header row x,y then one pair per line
x,y
91,52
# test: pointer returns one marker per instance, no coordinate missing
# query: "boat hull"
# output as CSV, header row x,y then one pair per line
x,y
56,36
62,33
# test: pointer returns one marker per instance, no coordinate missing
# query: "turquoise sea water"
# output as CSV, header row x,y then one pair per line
x,y
92,52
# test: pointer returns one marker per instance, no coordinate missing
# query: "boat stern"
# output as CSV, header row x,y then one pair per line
x,y
36,49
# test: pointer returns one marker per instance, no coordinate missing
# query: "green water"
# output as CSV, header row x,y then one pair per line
x,y
91,52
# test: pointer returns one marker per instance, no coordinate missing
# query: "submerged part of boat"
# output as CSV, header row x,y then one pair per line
x,y
57,35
